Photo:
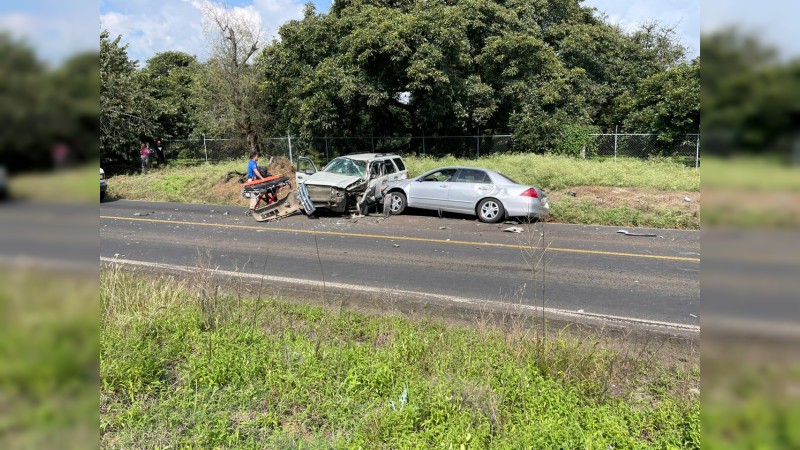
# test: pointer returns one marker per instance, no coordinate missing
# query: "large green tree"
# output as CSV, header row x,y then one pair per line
x,y
540,69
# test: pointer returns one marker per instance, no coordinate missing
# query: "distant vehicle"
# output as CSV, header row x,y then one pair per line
x,y
3,183
487,194
103,184
352,182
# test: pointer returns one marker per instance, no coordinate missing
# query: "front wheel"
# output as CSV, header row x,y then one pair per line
x,y
490,210
397,203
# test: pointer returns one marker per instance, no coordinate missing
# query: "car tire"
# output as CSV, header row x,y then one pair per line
x,y
102,196
397,203
490,210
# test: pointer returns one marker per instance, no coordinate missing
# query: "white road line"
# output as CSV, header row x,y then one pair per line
x,y
383,291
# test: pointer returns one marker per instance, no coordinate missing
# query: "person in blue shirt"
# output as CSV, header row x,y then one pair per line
x,y
253,173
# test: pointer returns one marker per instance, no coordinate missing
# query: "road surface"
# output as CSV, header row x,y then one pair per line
x,y
590,270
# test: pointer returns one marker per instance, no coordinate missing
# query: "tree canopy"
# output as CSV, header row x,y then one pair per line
x,y
546,71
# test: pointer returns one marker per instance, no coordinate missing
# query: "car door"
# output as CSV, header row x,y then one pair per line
x,y
430,191
469,186
305,168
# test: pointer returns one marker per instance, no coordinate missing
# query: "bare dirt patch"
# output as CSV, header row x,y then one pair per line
x,y
641,199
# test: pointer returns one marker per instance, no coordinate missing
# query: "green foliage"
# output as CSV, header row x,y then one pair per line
x,y
169,79
41,107
126,109
667,103
256,374
750,98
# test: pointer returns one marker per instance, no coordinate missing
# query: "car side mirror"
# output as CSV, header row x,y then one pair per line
x,y
309,172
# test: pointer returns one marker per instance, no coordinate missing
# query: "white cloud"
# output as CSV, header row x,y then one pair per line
x,y
152,26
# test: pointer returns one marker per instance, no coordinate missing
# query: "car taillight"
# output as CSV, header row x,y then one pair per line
x,y
531,192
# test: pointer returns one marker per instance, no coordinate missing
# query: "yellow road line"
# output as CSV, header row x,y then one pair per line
x,y
402,238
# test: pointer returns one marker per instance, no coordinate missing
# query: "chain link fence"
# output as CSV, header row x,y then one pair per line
x,y
643,146
323,149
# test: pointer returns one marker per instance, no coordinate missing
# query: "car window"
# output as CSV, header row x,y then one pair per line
x,y
440,175
389,167
499,178
472,176
399,163
347,166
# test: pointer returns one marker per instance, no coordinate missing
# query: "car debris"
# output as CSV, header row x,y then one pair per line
x,y
514,230
628,233
395,245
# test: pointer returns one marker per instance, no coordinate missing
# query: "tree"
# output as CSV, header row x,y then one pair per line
x,y
543,70
667,103
125,109
227,84
169,79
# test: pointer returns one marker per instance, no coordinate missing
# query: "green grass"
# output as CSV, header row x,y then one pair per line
x,y
72,185
183,367
48,359
559,172
191,184
761,174
568,210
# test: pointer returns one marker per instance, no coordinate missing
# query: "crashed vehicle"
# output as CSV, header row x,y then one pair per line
x,y
351,183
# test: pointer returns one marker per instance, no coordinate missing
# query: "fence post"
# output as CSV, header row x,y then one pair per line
x,y
423,144
289,136
697,153
326,149
616,133
477,144
204,146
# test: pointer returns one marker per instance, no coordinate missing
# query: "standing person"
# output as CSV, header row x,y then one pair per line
x,y
162,161
150,156
144,154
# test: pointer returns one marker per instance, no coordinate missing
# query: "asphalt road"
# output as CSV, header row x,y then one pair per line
x,y
588,269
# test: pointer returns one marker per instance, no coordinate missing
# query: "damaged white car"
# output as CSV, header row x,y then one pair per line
x,y
350,183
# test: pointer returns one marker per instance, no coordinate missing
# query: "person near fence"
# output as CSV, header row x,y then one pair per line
x,y
144,154
162,161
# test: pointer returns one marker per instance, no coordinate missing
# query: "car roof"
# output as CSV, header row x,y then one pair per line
x,y
371,156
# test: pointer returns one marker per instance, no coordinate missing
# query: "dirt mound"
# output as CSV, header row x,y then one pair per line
x,y
230,192
645,199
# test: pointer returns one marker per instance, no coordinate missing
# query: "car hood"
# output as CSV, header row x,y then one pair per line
x,y
331,179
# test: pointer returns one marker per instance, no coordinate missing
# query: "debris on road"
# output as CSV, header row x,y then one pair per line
x,y
144,214
395,245
628,233
514,230
442,228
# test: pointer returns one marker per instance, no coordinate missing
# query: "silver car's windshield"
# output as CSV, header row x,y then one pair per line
x,y
347,166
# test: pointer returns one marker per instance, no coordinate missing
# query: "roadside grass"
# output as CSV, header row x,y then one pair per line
x,y
750,192
73,185
48,359
183,365
556,174
552,172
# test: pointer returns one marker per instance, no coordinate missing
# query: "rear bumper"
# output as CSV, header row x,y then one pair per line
x,y
534,209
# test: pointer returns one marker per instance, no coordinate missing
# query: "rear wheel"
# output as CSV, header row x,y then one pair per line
x,y
397,202
490,210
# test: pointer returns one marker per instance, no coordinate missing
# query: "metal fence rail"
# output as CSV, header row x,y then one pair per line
x,y
323,149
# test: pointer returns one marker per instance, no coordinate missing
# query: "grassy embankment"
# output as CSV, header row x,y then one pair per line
x,y
75,184
182,365
629,192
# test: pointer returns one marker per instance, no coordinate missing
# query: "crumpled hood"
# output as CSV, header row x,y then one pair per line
x,y
330,179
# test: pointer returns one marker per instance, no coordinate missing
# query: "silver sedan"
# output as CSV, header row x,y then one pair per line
x,y
485,193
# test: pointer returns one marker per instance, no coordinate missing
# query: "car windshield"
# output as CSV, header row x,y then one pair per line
x,y
347,166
